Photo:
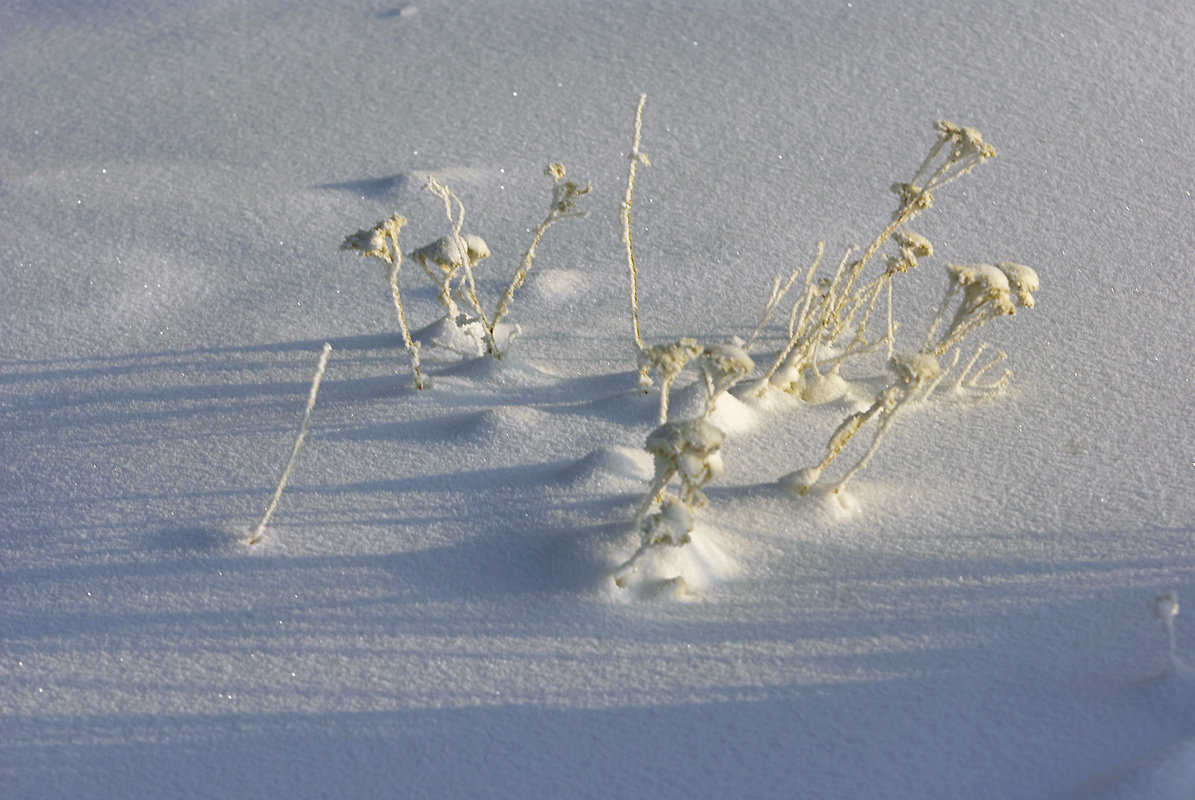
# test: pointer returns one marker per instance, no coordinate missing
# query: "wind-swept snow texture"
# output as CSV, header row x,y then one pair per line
x,y
430,612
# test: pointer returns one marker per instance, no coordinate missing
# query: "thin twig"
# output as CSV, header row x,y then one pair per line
x,y
259,531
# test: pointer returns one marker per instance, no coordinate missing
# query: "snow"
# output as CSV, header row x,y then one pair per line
x,y
431,611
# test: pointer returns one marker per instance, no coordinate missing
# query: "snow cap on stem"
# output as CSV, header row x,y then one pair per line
x,y
667,359
918,244
690,449
672,524
372,241
982,283
722,366
1022,280
445,252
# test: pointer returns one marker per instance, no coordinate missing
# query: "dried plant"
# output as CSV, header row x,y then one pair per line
x,y
666,361
984,293
564,199
450,261
636,158
689,450
828,318
312,393
381,241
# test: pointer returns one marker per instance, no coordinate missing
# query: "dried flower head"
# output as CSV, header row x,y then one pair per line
x,y
982,285
667,361
968,142
688,449
912,198
972,145
564,195
381,241
445,252
918,244
947,128
378,240
1022,280
722,366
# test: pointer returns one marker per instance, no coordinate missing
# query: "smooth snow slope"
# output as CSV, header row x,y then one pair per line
x,y
431,614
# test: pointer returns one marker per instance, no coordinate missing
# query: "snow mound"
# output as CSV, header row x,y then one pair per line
x,y
555,285
732,415
828,389
666,572
598,467
444,340
509,371
508,422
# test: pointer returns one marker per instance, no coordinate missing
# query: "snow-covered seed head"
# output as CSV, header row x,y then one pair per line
x,y
913,196
918,244
697,468
986,276
445,253
690,449
724,365
672,524
802,480
1022,280
968,142
674,439
476,248
372,241
971,144
982,283
668,359
915,368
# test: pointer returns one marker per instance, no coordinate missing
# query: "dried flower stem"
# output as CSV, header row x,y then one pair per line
x,y
468,286
411,344
381,241
564,195
259,531
636,158
778,293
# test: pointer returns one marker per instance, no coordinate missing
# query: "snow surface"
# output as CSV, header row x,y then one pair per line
x,y
431,613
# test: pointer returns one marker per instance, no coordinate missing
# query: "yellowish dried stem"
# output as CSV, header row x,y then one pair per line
x,y
412,345
625,216
468,285
562,203
260,530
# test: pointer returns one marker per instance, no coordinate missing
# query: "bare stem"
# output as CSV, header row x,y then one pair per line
x,y
468,285
636,157
778,293
259,531
563,198
412,346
